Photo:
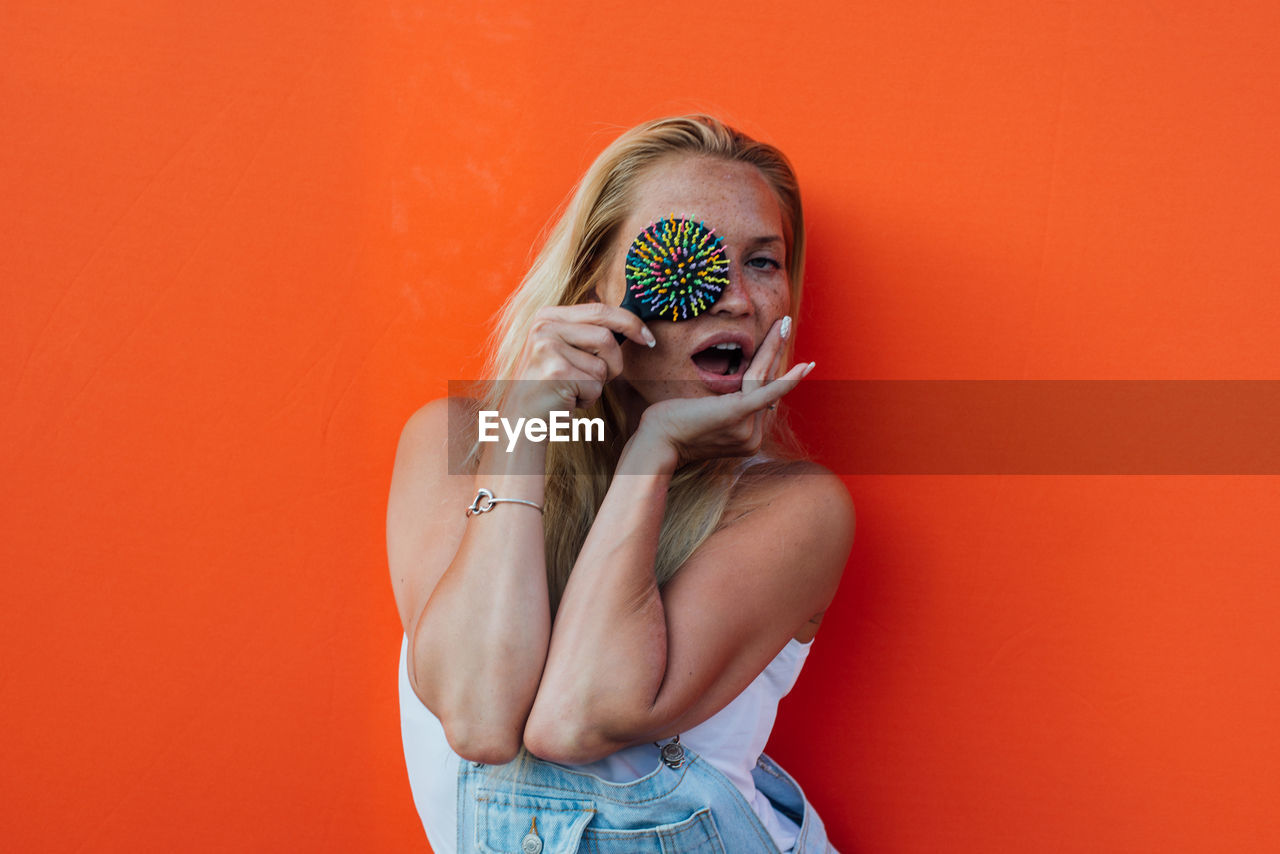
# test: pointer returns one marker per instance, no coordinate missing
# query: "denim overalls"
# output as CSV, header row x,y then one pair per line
x,y
693,809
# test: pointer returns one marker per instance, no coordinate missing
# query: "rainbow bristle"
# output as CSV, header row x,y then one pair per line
x,y
675,269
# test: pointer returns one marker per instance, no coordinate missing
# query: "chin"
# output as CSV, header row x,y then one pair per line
x,y
656,391
719,383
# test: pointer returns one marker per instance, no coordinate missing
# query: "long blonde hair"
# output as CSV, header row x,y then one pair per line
x,y
566,272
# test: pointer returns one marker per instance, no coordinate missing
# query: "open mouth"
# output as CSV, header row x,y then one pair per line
x,y
724,359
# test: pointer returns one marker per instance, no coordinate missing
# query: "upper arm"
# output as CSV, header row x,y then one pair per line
x,y
744,593
425,522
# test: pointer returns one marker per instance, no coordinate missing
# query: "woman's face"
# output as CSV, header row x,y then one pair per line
x,y
735,200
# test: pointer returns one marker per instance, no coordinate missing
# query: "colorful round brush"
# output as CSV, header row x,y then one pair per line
x,y
675,269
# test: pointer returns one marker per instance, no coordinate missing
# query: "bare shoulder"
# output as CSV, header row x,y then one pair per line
x,y
435,424
799,490
787,525
428,482
809,511
432,448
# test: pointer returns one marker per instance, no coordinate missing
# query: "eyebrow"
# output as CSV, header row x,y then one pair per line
x,y
762,241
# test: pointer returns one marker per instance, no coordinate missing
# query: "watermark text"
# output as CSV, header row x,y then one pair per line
x,y
559,427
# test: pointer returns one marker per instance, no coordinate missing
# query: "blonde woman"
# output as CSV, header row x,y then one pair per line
x,y
597,633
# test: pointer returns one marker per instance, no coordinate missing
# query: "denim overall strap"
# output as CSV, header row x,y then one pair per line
x,y
786,796
551,809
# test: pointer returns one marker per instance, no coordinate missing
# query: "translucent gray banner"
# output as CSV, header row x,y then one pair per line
x,y
1031,427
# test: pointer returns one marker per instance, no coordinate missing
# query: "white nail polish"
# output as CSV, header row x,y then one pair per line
x,y
786,327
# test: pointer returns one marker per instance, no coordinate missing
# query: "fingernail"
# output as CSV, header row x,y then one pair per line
x,y
812,365
648,337
786,327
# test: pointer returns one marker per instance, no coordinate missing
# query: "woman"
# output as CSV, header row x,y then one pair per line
x,y
624,616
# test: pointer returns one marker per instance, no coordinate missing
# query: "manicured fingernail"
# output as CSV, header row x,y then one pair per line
x,y
786,327
812,365
648,337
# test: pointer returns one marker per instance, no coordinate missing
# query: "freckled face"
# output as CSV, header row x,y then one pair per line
x,y
735,200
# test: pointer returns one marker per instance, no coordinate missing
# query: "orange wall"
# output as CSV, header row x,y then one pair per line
x,y
241,242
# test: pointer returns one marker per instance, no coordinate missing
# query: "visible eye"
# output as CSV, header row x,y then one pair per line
x,y
763,262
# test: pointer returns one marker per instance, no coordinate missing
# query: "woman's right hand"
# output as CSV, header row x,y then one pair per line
x,y
571,352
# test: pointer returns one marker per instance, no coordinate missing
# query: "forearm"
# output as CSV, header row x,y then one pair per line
x,y
480,641
608,651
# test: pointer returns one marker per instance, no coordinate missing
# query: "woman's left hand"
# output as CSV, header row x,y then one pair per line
x,y
682,430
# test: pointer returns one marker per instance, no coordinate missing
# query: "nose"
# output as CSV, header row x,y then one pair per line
x,y
734,300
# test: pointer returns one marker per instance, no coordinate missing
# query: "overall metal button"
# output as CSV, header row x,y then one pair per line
x,y
673,753
531,844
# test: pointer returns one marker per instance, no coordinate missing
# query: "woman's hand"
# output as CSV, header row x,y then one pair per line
x,y
727,425
570,354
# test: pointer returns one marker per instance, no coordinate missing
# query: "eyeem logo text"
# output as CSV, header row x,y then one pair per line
x,y
559,428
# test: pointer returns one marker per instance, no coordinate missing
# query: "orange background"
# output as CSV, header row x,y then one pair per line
x,y
241,242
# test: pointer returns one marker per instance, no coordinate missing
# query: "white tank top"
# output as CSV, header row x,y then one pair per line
x,y
731,740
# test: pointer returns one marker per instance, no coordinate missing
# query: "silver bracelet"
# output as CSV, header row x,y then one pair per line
x,y
484,503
